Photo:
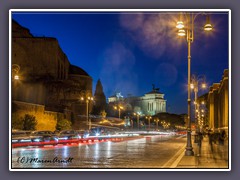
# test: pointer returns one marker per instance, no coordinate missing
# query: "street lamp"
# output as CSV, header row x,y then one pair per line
x,y
156,120
88,100
195,82
165,124
15,79
137,114
202,115
188,31
131,123
15,70
119,107
149,118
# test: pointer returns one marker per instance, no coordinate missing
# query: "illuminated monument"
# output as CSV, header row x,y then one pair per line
x,y
151,103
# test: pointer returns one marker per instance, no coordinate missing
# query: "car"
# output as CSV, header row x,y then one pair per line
x,y
20,137
43,136
69,135
83,133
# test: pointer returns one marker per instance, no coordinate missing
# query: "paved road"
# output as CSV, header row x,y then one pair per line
x,y
148,152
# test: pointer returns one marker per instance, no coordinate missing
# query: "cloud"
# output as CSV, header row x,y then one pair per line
x,y
117,72
131,21
153,33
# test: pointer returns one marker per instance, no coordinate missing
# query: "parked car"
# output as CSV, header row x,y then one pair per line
x,y
43,136
69,135
20,137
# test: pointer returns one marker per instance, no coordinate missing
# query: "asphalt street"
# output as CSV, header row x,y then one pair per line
x,y
159,151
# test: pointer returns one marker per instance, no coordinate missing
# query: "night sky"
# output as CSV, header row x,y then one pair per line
x,y
129,52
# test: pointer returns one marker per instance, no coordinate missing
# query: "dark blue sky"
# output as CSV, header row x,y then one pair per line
x,y
131,51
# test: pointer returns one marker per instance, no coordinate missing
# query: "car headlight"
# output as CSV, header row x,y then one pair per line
x,y
63,138
36,140
25,140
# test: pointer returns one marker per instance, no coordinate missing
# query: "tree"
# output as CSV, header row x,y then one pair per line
x,y
29,122
173,119
103,114
63,124
99,98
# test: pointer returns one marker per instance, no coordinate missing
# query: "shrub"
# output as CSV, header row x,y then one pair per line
x,y
63,124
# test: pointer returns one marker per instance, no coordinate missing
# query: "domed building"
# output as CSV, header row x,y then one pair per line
x,y
48,84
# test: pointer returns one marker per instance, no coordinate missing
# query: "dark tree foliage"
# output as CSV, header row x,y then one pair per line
x,y
99,99
29,122
173,119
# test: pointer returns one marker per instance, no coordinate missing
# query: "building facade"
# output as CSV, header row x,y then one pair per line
x,y
153,102
218,104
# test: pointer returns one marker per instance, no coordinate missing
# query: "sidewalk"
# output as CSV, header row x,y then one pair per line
x,y
206,157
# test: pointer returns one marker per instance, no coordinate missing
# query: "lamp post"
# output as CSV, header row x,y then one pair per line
x,y
202,115
190,18
156,120
148,118
165,124
119,107
132,123
15,81
137,114
15,70
195,82
88,100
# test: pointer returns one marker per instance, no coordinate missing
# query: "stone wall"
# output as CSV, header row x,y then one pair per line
x,y
46,120
29,92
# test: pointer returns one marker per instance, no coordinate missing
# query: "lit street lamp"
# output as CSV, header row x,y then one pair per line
x,y
137,114
195,82
149,118
119,107
165,124
201,115
182,29
15,79
88,99
15,70
156,120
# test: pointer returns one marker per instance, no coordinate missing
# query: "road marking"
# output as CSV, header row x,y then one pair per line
x,y
175,159
174,165
181,136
